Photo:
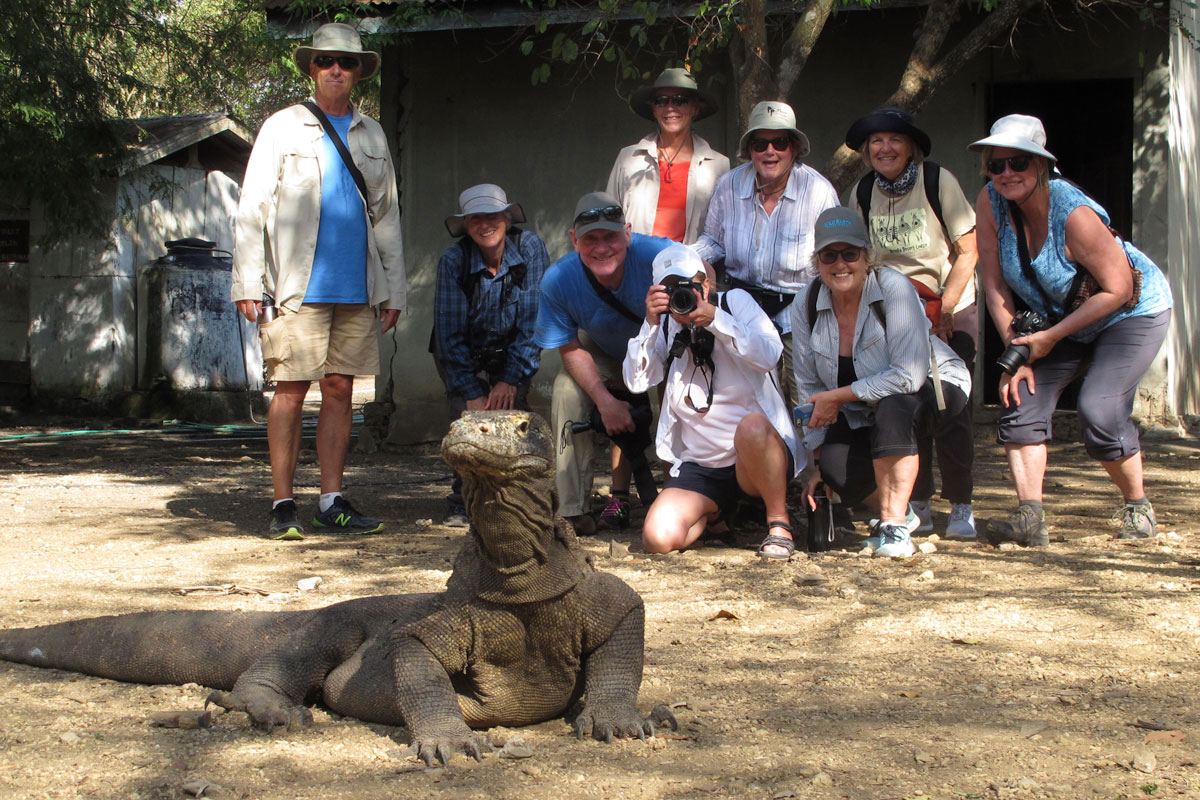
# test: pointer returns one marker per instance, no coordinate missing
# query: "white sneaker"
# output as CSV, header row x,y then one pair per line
x,y
962,522
924,514
912,524
895,542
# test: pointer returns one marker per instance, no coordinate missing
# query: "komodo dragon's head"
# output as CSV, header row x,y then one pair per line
x,y
506,459
501,446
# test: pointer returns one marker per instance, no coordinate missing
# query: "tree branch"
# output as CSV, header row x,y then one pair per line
x,y
800,43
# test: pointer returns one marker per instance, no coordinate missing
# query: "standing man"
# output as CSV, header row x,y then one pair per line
x,y
592,303
322,241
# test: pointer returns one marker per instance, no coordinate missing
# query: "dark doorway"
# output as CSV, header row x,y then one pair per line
x,y
1089,128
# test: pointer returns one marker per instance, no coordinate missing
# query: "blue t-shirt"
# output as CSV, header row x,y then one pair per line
x,y
569,304
1055,273
339,270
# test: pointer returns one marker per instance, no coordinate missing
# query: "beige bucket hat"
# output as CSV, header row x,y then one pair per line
x,y
486,198
337,37
772,115
673,78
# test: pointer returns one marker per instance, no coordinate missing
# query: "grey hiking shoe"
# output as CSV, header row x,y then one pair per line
x,y
1024,526
285,526
341,517
456,516
1135,521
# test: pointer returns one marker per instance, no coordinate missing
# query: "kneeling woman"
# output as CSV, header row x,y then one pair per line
x,y
863,356
723,427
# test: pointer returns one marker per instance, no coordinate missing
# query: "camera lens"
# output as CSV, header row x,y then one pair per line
x,y
683,299
1013,357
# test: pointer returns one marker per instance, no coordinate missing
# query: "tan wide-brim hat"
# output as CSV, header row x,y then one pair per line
x,y
486,198
337,37
642,101
771,115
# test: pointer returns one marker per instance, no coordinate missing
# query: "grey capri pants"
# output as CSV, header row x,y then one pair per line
x,y
1111,366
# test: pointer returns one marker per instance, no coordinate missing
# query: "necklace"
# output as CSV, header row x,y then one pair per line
x,y
669,159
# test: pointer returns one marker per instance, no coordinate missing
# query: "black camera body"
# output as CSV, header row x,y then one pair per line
x,y
1023,324
683,298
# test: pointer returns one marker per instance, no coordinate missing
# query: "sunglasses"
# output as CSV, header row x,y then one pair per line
x,y
610,213
664,100
345,62
850,256
995,166
781,144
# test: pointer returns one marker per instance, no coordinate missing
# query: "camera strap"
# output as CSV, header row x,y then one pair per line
x,y
608,297
1023,253
338,144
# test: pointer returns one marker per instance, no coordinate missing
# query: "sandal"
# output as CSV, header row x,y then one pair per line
x,y
785,542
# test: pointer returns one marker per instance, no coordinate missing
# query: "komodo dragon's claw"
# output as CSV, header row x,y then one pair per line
x,y
439,747
609,721
267,709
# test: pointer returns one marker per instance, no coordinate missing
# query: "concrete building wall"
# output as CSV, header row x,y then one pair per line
x,y
468,114
1183,182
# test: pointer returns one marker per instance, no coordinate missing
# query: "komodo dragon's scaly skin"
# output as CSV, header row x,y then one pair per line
x,y
525,628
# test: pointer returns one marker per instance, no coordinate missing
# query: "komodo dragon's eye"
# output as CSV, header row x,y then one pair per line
x,y
523,427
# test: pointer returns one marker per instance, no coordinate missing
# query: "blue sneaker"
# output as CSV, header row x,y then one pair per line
x,y
894,541
912,523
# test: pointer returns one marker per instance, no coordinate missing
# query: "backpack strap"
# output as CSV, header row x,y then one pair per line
x,y
810,301
933,192
863,193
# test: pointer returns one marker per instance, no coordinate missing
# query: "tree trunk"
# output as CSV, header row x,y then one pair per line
x,y
751,60
924,74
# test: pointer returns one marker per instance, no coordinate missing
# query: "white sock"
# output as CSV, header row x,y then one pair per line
x,y
327,500
284,500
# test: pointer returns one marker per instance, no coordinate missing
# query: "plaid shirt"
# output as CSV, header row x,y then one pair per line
x,y
494,317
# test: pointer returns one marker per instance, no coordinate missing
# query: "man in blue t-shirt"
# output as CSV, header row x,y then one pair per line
x,y
592,303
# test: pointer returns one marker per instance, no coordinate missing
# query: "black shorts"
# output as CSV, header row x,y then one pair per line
x,y
718,484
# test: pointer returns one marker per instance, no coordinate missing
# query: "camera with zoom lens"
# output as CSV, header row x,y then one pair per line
x,y
683,298
1023,324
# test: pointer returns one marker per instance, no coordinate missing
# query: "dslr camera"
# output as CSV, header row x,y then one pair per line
x,y
1023,324
683,300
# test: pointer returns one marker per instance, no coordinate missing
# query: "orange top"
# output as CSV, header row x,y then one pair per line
x,y
670,218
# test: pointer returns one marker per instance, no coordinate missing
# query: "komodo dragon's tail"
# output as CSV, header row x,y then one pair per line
x,y
210,648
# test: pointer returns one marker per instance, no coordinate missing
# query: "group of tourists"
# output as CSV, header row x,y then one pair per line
x,y
847,333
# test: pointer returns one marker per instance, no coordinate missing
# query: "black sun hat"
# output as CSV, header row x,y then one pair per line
x,y
887,120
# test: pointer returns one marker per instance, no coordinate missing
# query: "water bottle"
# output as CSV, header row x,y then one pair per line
x,y
820,523
268,312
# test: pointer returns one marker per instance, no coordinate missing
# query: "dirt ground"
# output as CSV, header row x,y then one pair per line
x,y
964,672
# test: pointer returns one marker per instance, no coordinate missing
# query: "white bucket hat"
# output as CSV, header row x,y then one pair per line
x,y
677,260
1019,132
337,37
486,198
771,115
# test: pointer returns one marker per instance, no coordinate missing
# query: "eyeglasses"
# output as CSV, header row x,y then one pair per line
x,y
781,144
664,100
995,166
610,213
849,255
345,62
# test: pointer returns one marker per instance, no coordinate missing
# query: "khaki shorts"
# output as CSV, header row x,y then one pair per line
x,y
321,339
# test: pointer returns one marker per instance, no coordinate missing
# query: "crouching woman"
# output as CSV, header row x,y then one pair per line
x,y
863,357
723,428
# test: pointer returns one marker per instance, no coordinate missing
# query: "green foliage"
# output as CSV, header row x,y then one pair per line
x,y
74,69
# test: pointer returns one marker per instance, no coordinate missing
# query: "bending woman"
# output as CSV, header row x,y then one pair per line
x,y
1111,337
863,355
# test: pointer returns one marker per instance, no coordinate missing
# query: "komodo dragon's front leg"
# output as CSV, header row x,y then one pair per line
x,y
614,623
427,699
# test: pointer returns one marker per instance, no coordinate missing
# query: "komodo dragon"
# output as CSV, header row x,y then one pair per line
x,y
525,628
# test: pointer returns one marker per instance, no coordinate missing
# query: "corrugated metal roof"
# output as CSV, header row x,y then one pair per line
x,y
155,138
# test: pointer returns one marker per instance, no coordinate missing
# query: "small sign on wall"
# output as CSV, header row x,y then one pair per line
x,y
14,240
